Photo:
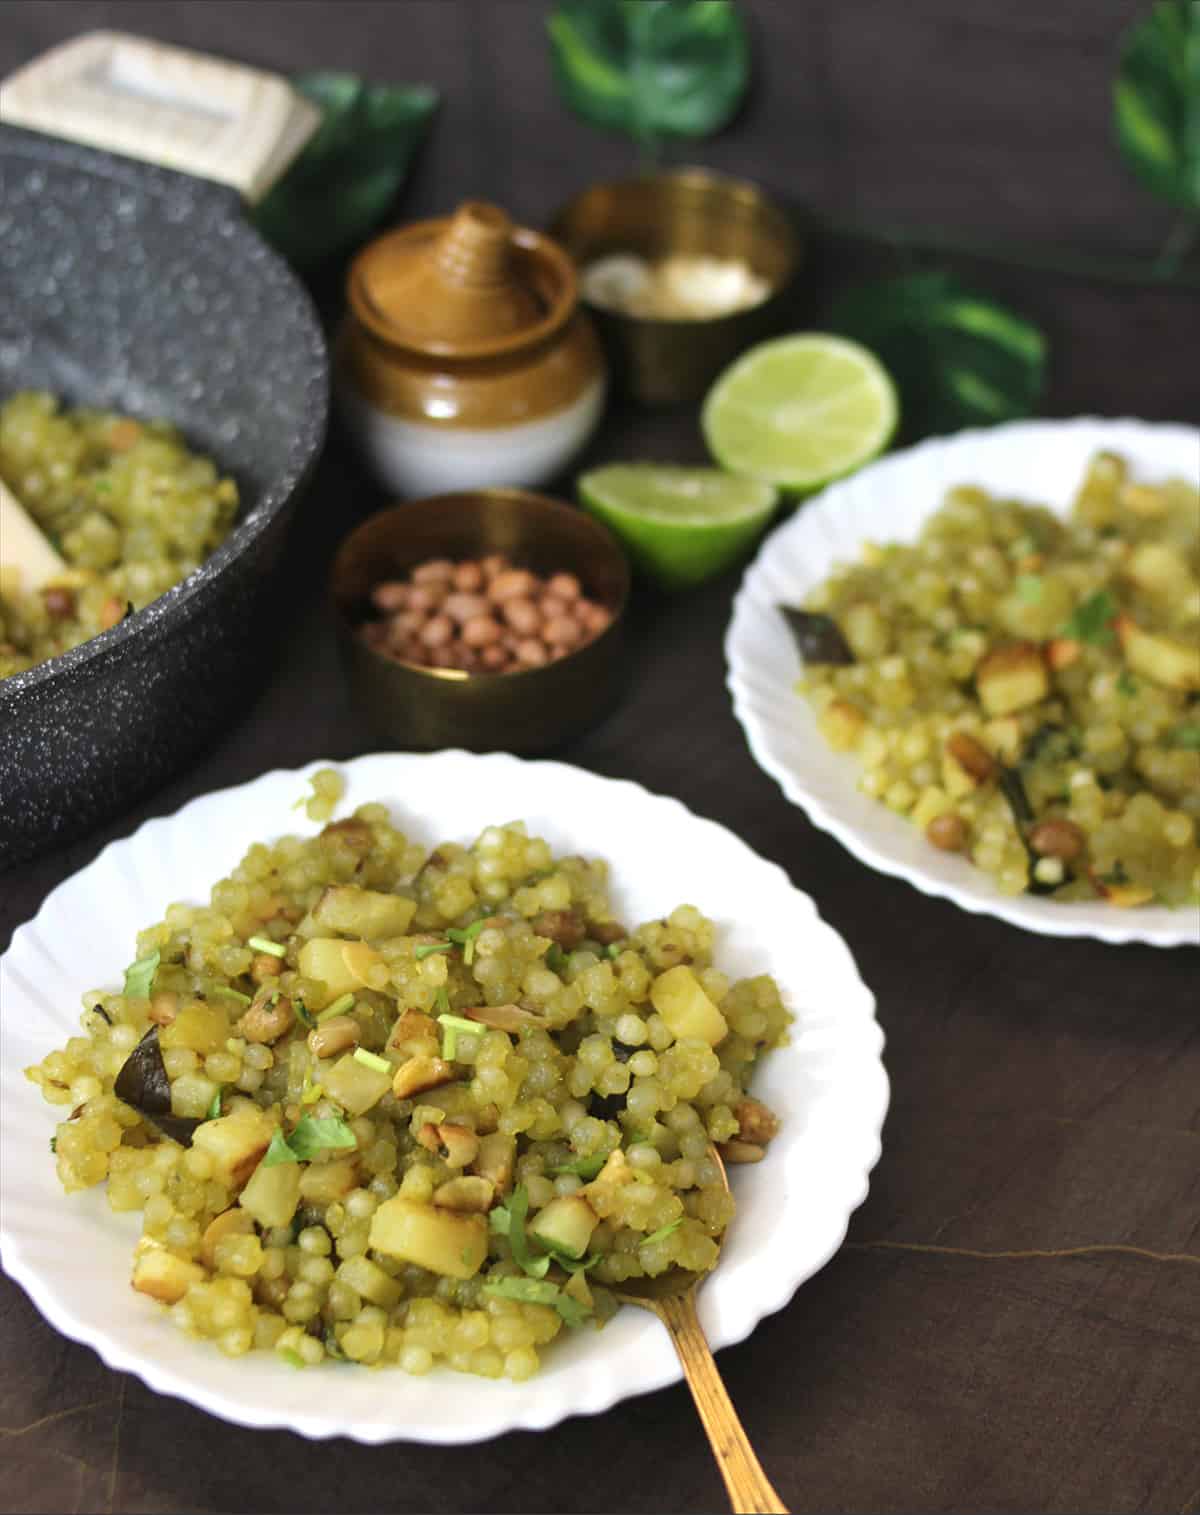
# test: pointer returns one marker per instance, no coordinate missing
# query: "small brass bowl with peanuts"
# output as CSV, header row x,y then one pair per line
x,y
490,619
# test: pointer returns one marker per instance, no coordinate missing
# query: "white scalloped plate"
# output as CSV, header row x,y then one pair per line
x,y
1040,461
73,1255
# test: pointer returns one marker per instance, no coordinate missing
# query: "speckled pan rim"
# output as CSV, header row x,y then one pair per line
x,y
843,1026
773,716
310,428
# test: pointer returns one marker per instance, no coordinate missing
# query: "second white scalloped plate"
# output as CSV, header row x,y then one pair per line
x,y
1040,461
73,1255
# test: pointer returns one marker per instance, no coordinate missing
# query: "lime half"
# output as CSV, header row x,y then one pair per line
x,y
800,411
681,525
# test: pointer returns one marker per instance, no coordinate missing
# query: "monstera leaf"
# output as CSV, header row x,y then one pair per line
x,y
342,184
958,358
651,68
1156,101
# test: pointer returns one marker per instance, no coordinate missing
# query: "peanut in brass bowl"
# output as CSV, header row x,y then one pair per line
x,y
531,710
689,212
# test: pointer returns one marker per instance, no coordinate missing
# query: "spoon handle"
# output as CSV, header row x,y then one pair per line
x,y
750,1492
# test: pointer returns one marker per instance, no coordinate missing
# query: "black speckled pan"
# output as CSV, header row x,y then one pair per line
x,y
130,286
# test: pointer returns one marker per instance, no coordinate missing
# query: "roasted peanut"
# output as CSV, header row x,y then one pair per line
x,y
972,756
756,1122
1057,838
947,832
269,1016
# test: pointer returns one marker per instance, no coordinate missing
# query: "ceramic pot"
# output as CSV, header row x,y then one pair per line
x,y
464,360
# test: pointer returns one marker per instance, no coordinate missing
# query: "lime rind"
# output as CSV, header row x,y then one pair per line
x,y
800,411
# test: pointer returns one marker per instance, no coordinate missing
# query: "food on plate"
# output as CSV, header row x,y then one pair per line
x,y
681,525
405,1108
1026,689
799,411
681,287
128,506
482,615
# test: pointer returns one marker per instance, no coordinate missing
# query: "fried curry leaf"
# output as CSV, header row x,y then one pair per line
x,y
1156,101
342,184
818,637
143,1084
651,68
958,358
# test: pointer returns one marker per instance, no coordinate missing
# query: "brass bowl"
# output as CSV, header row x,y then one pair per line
x,y
692,212
530,710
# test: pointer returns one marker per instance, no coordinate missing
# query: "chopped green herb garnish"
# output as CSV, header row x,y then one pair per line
x,y
1092,620
232,993
372,1060
1126,683
1187,736
333,1347
293,1358
556,958
139,976
1029,588
509,1220
585,1167
315,1134
1118,874
265,944
340,1005
102,486
664,1231
441,1001
54,1144
278,1151
310,1093
303,1014
452,1026
532,1291
614,949
465,938
429,948
214,1107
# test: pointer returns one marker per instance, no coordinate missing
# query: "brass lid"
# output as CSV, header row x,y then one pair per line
x,y
470,285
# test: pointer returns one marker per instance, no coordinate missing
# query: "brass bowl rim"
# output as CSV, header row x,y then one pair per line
x,y
604,538
539,245
704,178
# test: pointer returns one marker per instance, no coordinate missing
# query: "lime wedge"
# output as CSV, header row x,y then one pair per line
x,y
800,411
681,525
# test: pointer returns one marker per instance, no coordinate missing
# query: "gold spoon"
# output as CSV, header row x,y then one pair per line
x,y
672,1297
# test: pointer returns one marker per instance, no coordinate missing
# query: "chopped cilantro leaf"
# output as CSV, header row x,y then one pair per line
x,y
664,1231
532,1291
1029,588
139,976
303,1014
585,1167
214,1107
465,938
1092,620
556,958
318,1134
429,948
513,1226
1126,683
278,1151
1187,736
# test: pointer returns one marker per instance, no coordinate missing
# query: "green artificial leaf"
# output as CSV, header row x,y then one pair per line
x,y
958,358
351,170
139,976
1156,101
651,68
1092,620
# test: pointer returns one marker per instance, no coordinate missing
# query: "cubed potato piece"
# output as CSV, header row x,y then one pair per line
x,y
164,1276
192,1095
678,997
232,1222
273,1194
198,1027
340,966
368,1279
842,724
469,1192
323,1183
1160,570
444,1241
565,1224
355,1086
1159,658
1011,678
235,1142
365,913
497,1152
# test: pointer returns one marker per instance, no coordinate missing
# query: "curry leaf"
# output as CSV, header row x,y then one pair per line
x,y
958,358
1156,101
651,68
343,182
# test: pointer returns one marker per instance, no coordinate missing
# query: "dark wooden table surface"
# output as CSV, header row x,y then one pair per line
x,y
1046,1093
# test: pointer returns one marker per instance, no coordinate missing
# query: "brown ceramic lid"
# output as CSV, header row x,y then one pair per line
x,y
471,285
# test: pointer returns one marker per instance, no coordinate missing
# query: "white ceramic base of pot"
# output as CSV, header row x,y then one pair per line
x,y
417,459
